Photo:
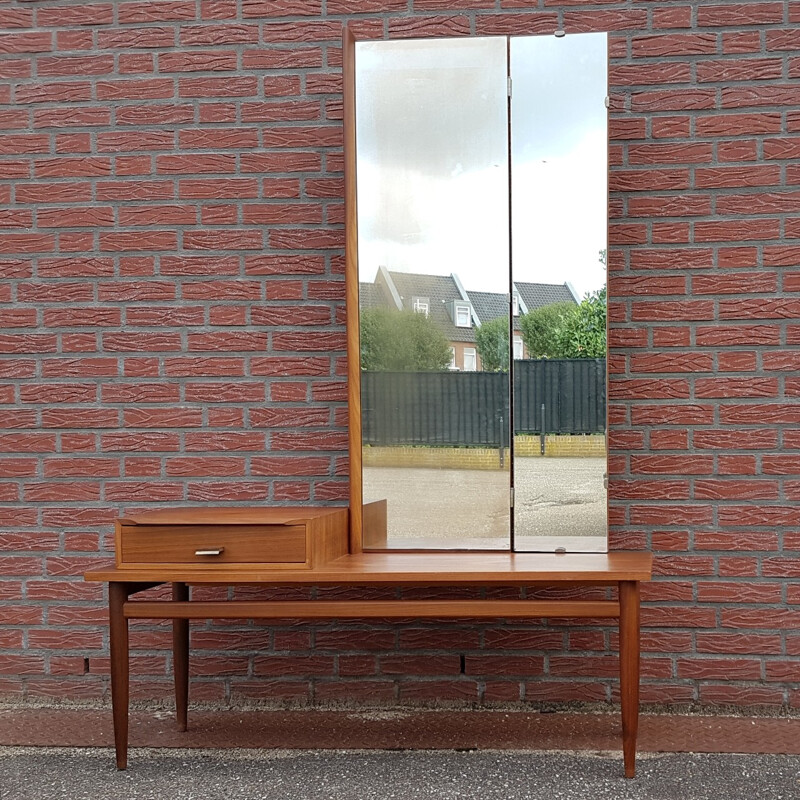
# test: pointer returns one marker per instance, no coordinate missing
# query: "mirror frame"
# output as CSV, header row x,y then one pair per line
x,y
357,542
352,290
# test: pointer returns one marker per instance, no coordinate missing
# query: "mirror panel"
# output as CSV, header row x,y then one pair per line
x,y
433,244
559,156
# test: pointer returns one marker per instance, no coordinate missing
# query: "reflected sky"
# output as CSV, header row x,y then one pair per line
x,y
559,154
432,133
432,123
433,184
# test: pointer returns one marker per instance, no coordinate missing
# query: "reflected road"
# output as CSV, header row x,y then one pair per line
x,y
554,496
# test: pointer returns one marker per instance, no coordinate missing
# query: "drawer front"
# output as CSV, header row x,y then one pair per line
x,y
213,544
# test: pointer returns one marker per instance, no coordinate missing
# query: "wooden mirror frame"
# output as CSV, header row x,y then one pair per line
x,y
351,290
357,542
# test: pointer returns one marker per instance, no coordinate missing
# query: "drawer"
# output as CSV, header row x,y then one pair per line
x,y
198,544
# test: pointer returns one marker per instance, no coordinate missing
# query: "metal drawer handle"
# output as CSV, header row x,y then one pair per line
x,y
217,551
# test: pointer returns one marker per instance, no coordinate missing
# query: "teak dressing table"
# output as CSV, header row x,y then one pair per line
x,y
306,546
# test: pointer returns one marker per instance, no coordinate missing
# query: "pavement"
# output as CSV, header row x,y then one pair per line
x,y
551,494
47,774
61,753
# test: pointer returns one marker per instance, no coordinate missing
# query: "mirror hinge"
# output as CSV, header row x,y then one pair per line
x,y
511,496
509,86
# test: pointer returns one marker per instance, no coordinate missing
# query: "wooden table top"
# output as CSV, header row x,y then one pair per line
x,y
419,568
266,515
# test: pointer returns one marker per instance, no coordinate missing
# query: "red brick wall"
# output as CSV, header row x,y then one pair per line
x,y
172,313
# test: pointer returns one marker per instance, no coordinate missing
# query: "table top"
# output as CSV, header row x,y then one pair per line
x,y
411,569
266,515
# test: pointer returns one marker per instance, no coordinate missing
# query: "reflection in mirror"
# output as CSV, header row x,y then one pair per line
x,y
559,219
433,233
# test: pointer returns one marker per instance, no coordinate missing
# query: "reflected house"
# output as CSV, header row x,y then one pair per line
x,y
441,298
457,312
526,297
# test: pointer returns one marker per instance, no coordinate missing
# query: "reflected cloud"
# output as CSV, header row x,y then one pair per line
x,y
421,223
559,215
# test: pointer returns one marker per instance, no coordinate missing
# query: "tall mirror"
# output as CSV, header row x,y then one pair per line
x,y
479,168
433,221
559,156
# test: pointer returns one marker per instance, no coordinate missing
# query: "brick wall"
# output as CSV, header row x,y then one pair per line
x,y
172,312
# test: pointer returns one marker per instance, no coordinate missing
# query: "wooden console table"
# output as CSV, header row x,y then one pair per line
x,y
623,570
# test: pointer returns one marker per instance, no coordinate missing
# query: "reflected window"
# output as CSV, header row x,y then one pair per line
x,y
515,307
470,359
453,359
518,348
421,305
463,317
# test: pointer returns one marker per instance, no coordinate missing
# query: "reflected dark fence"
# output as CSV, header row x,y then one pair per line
x,y
572,391
435,408
566,396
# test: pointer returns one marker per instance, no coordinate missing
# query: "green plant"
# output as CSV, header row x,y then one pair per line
x,y
541,329
401,341
491,340
583,334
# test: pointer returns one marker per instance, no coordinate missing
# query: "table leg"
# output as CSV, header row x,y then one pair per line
x,y
118,640
180,657
629,670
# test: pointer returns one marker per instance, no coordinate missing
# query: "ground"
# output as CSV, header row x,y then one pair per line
x,y
553,497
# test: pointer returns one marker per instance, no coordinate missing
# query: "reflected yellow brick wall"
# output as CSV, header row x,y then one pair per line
x,y
561,446
484,457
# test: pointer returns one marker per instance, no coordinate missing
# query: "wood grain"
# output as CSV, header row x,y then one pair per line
x,y
375,524
358,609
240,544
418,569
351,287
225,515
119,652
253,538
327,537
629,671
180,657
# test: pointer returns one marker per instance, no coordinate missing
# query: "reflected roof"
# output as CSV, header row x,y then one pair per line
x,y
440,291
371,295
536,295
490,305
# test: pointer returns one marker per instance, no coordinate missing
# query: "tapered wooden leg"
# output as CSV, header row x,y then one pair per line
x,y
118,640
629,671
180,658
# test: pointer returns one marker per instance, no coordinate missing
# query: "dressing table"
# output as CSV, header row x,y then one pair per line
x,y
370,544
318,535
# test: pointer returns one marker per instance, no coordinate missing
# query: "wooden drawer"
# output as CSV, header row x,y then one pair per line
x,y
213,544
209,538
